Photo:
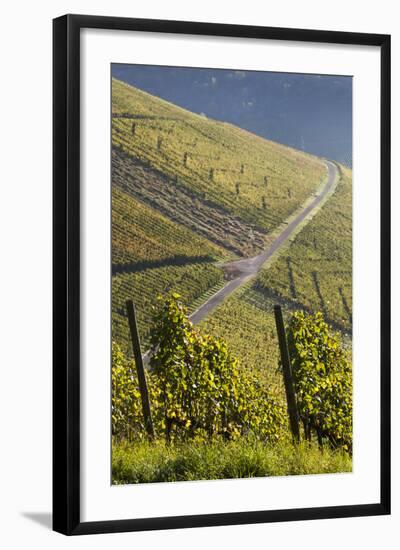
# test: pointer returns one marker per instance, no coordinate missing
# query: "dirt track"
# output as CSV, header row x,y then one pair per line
x,y
244,270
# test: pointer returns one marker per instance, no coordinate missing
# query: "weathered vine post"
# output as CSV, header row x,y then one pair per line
x,y
144,393
287,374
263,202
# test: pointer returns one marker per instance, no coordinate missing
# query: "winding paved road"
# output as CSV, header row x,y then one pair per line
x,y
249,267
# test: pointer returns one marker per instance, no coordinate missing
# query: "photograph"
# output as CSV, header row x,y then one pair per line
x,y
231,274
198,291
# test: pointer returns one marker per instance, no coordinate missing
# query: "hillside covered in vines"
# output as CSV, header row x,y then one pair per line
x,y
188,194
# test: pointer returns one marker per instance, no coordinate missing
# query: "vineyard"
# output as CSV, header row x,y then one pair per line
x,y
191,195
151,253
202,402
226,168
188,194
143,237
316,271
245,320
193,281
321,251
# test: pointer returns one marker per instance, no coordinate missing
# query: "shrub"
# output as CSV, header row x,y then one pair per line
x,y
196,387
323,379
203,392
127,416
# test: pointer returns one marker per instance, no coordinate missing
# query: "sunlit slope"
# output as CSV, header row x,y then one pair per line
x,y
314,273
225,183
143,237
316,270
152,255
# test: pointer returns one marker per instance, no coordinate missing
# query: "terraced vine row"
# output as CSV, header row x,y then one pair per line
x,y
192,281
315,273
245,320
186,193
142,236
152,254
176,203
324,246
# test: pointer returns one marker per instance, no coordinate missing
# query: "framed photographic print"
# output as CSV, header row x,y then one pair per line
x,y
221,274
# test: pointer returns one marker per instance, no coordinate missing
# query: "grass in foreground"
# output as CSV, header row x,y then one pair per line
x,y
145,462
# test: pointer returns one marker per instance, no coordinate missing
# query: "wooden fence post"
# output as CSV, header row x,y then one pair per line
x,y
287,374
144,393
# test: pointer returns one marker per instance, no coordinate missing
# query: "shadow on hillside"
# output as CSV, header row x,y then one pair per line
x,y
178,260
267,298
346,306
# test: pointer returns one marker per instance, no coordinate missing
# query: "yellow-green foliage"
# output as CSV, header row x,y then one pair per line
x,y
185,220
321,362
194,281
127,416
215,161
323,379
141,235
189,192
245,320
316,270
202,388
323,246
152,254
196,387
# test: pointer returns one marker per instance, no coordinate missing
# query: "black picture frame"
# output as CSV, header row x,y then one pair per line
x,y
66,273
